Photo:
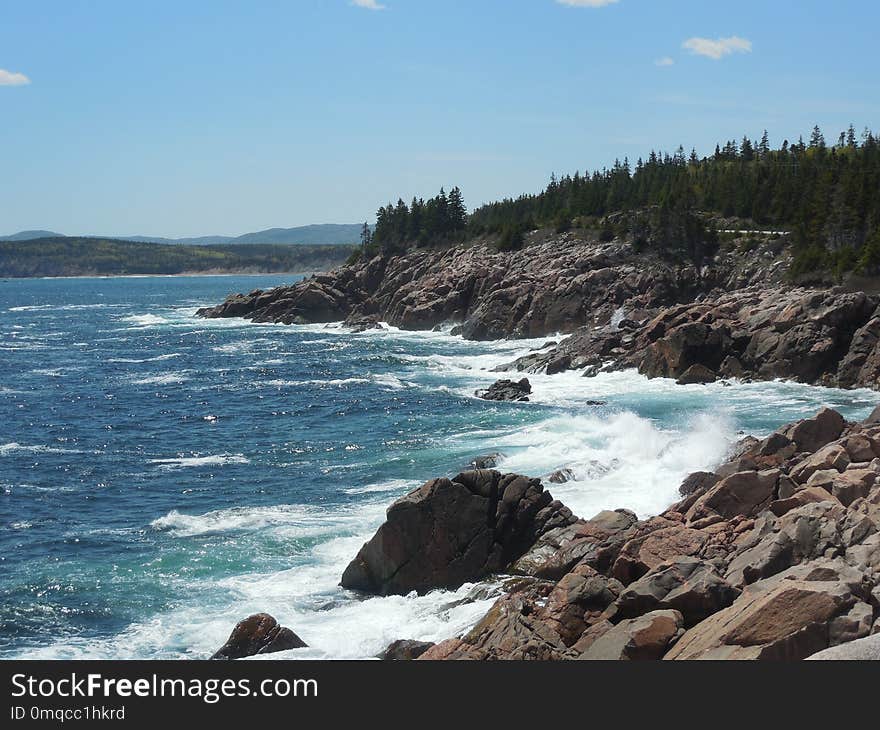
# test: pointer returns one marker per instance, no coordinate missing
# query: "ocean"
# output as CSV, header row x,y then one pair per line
x,y
163,476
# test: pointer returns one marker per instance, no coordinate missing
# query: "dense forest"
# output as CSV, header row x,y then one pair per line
x,y
826,194
69,256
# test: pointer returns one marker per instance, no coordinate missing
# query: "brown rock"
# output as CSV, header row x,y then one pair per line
x,y
744,493
645,637
689,585
832,456
595,542
812,434
641,554
784,617
696,374
258,634
448,532
578,600
405,650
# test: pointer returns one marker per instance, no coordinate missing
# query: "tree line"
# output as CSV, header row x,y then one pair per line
x,y
441,219
826,193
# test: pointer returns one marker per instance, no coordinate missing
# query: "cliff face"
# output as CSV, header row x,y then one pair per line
x,y
732,317
551,287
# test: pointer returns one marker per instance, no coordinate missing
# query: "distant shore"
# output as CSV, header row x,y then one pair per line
x,y
193,274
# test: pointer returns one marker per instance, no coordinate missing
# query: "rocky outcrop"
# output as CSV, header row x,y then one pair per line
x,y
509,390
768,557
258,634
821,337
789,616
554,286
448,532
732,317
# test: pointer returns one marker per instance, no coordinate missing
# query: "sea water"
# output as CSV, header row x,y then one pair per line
x,y
163,476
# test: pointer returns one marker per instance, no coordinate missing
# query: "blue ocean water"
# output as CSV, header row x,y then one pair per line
x,y
163,476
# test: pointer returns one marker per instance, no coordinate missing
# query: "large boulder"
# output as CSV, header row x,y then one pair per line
x,y
642,553
646,637
688,585
744,493
258,634
804,533
811,434
596,542
579,600
448,532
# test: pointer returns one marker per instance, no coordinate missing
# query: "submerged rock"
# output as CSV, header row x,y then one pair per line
x,y
258,634
487,461
363,322
507,390
405,650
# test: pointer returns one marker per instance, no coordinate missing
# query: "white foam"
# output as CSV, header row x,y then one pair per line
x,y
183,462
14,447
158,358
386,380
60,308
162,378
299,521
142,321
621,460
391,485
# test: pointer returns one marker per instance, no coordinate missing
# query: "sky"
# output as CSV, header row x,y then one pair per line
x,y
197,118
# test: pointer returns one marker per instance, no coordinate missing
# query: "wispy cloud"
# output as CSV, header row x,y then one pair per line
x,y
368,4
718,48
665,61
586,3
10,78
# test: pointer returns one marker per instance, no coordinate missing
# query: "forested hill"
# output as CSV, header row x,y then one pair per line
x,y
827,194
68,256
324,234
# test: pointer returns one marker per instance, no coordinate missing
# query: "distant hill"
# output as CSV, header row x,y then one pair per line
x,y
29,235
69,256
326,234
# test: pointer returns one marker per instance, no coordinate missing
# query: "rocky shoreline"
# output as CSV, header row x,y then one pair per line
x,y
774,555
732,317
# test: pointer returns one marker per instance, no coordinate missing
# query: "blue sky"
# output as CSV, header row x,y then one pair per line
x,y
188,118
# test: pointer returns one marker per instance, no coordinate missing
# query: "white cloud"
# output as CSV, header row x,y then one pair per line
x,y
718,48
586,3
368,4
665,61
9,78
